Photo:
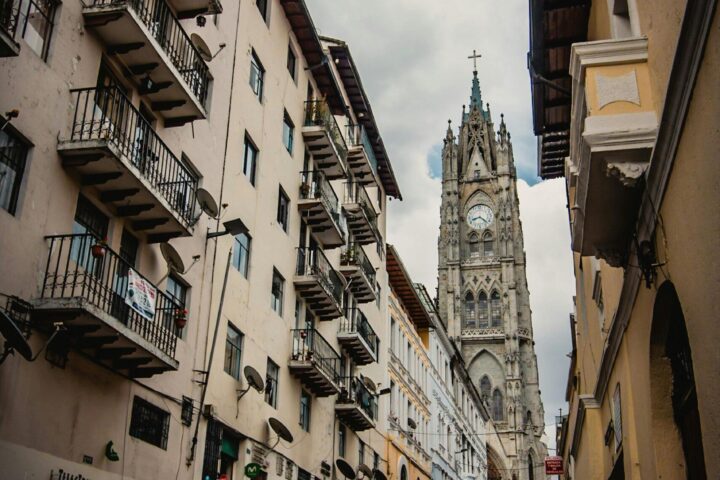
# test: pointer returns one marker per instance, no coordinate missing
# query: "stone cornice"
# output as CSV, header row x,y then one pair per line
x,y
606,52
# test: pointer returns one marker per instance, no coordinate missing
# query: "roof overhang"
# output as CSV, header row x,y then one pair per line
x,y
361,106
302,26
403,287
554,26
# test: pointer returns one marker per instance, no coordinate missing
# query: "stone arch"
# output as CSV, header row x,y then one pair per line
x,y
402,468
674,409
477,197
532,465
488,243
485,385
473,243
495,465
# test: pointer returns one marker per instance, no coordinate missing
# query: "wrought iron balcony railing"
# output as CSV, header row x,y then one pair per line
x,y
356,322
106,114
355,391
317,113
18,310
10,17
315,186
75,269
357,135
354,255
310,346
313,262
164,26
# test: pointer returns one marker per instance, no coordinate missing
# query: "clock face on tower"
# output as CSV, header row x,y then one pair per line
x,y
480,216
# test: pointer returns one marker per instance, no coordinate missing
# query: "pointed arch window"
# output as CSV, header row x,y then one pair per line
x,y
474,244
483,310
495,315
497,405
488,245
485,388
470,320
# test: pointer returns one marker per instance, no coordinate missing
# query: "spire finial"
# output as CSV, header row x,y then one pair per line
x,y
474,58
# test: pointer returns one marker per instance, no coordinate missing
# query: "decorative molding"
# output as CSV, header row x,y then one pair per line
x,y
606,52
617,88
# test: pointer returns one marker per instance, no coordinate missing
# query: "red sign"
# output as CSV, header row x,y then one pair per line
x,y
554,465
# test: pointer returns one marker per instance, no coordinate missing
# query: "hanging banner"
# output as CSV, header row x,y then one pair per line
x,y
554,465
141,295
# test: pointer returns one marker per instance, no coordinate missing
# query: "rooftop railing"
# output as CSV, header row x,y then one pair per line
x,y
313,262
317,113
107,114
357,135
76,268
310,346
164,26
356,322
355,391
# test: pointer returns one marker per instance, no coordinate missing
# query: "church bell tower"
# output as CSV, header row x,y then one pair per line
x,y
482,286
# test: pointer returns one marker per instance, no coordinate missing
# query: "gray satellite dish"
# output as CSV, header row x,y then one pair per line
x,y
14,339
172,258
412,424
253,378
202,47
345,468
207,202
280,429
367,473
378,475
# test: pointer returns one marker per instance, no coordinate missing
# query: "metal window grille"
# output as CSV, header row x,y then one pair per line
x,y
213,445
149,423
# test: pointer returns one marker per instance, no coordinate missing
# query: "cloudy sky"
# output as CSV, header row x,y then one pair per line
x,y
412,56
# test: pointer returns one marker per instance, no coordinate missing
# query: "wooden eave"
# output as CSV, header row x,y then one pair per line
x,y
403,287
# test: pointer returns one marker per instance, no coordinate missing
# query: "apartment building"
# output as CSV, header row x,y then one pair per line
x,y
626,107
193,222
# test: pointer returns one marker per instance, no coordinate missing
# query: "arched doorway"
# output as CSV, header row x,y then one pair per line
x,y
403,473
494,471
675,409
531,467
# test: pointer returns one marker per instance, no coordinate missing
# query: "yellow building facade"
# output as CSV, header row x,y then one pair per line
x,y
626,108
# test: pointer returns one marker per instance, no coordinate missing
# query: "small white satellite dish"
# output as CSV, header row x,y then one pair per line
x,y
172,258
207,202
202,47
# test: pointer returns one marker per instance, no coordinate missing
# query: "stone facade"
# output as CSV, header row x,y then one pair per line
x,y
483,295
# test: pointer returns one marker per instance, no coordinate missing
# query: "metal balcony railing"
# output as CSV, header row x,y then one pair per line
x,y
356,193
354,255
10,17
314,185
313,262
107,114
317,113
72,271
355,391
310,346
164,26
356,322
357,135
18,310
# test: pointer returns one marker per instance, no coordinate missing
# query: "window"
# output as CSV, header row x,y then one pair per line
x,y
250,159
474,245
376,461
361,451
488,249
342,435
276,292
271,383
497,405
393,335
305,400
288,132
241,253
621,26
13,153
36,23
175,288
485,387
495,309
263,8
483,310
149,423
469,310
283,209
291,61
257,76
393,398
233,351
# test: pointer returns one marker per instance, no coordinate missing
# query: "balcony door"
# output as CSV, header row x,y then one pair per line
x,y
90,225
128,258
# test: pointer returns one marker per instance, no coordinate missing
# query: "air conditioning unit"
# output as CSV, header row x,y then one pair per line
x,y
210,411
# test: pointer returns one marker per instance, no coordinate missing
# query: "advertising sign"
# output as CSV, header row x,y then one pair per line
x,y
554,465
141,295
252,470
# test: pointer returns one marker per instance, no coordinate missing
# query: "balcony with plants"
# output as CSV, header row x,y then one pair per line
x,y
324,139
357,337
320,208
359,272
314,362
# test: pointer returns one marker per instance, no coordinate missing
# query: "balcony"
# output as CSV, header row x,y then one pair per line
x,y
360,214
361,156
358,338
90,295
19,311
314,362
193,8
9,23
324,139
156,51
318,283
612,134
356,406
320,207
113,148
359,273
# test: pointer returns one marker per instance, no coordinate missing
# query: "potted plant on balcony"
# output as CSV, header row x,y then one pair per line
x,y
181,317
97,250
305,190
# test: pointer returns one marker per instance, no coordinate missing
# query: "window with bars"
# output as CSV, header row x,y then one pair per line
x,y
271,383
241,253
149,423
277,292
257,76
233,351
13,155
305,406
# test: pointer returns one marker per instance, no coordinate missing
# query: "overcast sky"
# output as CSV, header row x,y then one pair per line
x,y
412,57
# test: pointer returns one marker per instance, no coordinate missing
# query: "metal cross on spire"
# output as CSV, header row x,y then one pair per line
x,y
474,57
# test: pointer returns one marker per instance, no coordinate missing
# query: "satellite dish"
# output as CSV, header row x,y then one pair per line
x,y
253,378
280,429
14,340
345,468
367,473
206,201
202,47
412,424
172,258
369,384
378,475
